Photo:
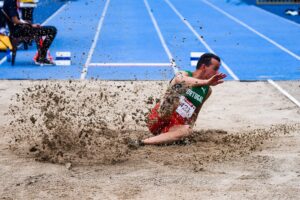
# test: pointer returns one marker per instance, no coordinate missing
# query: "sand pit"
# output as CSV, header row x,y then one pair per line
x,y
84,128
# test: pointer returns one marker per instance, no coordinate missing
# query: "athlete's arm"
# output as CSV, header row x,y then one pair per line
x,y
15,21
184,78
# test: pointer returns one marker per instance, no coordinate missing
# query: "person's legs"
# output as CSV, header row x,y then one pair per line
x,y
23,30
26,31
155,124
175,133
49,32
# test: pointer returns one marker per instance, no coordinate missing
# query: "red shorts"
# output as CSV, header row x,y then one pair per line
x,y
158,125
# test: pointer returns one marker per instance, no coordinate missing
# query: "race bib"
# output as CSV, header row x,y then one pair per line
x,y
185,108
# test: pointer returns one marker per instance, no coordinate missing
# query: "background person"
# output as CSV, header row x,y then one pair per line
x,y
22,28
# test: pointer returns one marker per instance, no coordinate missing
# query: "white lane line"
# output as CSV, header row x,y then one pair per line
x,y
3,60
88,60
185,21
47,20
129,64
294,100
252,29
162,40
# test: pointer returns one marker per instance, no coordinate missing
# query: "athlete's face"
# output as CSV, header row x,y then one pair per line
x,y
212,69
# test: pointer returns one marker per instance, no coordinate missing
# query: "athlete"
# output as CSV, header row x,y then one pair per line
x,y
173,118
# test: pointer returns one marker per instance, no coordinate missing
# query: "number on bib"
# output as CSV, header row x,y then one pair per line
x,y
185,108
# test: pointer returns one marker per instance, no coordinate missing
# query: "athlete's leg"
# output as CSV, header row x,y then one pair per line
x,y
175,133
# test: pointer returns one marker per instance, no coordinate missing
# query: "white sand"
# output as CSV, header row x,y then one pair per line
x,y
210,168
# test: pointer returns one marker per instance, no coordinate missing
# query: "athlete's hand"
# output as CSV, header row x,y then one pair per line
x,y
216,79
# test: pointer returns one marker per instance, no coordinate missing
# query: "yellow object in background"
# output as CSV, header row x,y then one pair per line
x,y
5,43
27,1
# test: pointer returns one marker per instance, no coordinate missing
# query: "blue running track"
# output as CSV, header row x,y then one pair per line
x,y
137,39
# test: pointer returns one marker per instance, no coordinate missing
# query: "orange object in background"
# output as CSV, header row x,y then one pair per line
x,y
5,43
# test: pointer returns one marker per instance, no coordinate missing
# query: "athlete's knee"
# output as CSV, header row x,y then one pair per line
x,y
183,132
50,30
186,132
53,30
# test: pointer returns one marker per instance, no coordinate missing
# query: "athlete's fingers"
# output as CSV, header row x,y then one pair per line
x,y
224,76
216,79
221,76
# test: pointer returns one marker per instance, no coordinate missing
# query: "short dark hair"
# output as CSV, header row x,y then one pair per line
x,y
206,59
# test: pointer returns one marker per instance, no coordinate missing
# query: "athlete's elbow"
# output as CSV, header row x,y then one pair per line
x,y
178,79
